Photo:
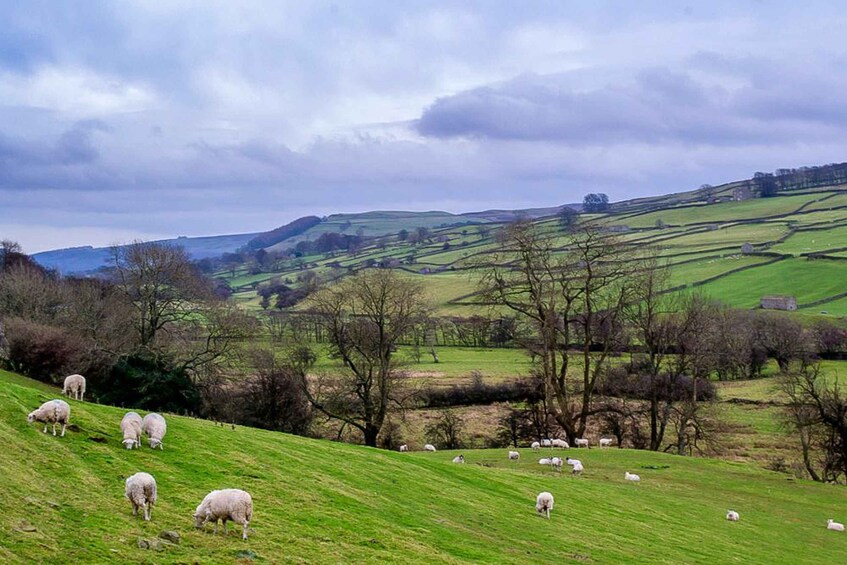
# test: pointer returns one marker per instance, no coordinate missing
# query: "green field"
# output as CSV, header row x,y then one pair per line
x,y
318,501
807,280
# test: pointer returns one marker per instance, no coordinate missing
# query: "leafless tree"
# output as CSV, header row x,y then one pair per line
x,y
570,298
817,412
364,317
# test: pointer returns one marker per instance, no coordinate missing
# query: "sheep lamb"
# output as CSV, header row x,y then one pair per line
x,y
544,461
732,515
459,459
227,504
631,476
556,463
131,429
535,446
51,412
514,455
605,442
544,503
560,443
546,443
582,442
429,447
404,447
155,427
141,492
833,525
74,387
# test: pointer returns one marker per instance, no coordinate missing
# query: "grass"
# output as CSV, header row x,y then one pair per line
x,y
723,212
318,501
807,280
809,241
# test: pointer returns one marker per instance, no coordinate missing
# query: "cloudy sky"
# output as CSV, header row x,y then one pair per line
x,y
122,120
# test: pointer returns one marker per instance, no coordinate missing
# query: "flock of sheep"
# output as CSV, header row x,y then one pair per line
x,y
140,488
544,500
237,505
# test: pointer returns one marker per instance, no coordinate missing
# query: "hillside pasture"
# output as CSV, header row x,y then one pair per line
x,y
318,501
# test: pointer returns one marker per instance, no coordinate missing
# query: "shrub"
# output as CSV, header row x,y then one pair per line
x,y
43,352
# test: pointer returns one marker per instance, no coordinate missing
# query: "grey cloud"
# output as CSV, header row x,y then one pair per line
x,y
659,105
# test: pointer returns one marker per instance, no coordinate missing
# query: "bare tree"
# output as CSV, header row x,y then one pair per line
x,y
365,317
817,411
160,283
571,298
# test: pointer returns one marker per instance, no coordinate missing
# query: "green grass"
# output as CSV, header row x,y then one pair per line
x,y
810,241
807,280
723,212
323,502
703,269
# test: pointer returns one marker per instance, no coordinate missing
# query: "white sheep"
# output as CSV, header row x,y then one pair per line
x,y
605,442
535,446
141,492
546,443
631,477
732,515
429,447
404,447
556,462
544,461
155,427
514,455
544,503
131,428
74,386
459,459
582,442
833,525
576,464
51,412
560,443
227,504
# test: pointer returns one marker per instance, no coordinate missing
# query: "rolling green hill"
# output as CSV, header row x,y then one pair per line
x,y
323,502
736,252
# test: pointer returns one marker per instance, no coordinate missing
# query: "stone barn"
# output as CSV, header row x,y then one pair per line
x,y
742,193
776,302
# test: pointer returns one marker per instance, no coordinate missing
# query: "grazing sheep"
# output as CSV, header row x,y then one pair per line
x,y
582,442
535,446
544,503
51,412
832,525
514,455
556,462
576,464
605,442
404,447
228,504
131,429
560,443
732,515
429,447
544,461
546,443
141,492
631,477
155,427
74,386
459,459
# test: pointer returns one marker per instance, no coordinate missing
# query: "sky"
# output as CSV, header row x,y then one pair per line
x,y
146,120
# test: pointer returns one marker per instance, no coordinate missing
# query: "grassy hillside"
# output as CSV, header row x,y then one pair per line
x,y
323,502
701,242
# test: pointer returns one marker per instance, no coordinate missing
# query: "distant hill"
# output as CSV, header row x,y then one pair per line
x,y
80,260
